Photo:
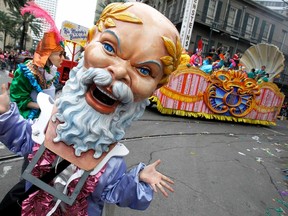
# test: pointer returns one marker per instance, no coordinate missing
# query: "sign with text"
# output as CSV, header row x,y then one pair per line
x,y
74,32
188,22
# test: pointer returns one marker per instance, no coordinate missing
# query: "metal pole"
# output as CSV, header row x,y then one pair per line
x,y
210,36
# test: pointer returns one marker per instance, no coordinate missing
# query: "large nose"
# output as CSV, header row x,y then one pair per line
x,y
120,71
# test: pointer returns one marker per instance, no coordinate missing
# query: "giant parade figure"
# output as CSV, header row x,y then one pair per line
x,y
130,52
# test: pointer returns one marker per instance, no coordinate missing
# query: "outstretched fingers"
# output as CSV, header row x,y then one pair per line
x,y
156,163
161,186
165,178
155,179
164,184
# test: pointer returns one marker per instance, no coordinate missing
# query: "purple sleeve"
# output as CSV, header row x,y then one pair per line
x,y
16,132
121,187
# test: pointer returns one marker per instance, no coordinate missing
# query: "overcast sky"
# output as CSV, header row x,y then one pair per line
x,y
80,12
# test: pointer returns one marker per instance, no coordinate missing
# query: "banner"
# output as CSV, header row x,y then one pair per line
x,y
74,32
188,22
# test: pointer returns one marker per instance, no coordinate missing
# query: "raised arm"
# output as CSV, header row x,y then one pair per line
x,y
156,179
4,100
15,131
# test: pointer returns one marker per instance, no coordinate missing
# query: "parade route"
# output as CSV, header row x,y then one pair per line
x,y
219,168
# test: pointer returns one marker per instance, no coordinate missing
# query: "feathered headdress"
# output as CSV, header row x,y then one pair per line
x,y
34,9
52,40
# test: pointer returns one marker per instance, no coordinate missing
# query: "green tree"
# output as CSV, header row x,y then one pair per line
x,y
6,25
23,22
15,3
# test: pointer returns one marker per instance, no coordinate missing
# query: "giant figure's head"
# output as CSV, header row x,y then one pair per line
x,y
131,51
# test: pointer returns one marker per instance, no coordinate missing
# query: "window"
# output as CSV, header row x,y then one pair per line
x,y
231,19
169,10
205,42
266,32
211,11
249,26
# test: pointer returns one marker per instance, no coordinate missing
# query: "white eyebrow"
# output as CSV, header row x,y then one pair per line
x,y
153,62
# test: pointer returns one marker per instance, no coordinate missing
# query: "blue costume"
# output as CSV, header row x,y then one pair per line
x,y
114,184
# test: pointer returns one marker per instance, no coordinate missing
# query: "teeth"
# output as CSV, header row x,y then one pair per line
x,y
106,93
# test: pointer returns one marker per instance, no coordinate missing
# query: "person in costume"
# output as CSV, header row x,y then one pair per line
x,y
232,64
264,78
252,74
106,92
37,75
207,65
261,73
196,58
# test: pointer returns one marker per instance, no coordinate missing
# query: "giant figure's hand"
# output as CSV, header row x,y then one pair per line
x,y
4,100
156,179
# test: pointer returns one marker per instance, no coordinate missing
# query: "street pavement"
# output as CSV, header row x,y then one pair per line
x,y
219,168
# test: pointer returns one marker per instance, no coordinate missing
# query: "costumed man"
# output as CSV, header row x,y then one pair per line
x,y
251,74
209,66
196,58
130,53
261,73
264,78
37,75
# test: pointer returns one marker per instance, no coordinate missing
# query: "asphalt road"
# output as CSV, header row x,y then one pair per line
x,y
219,168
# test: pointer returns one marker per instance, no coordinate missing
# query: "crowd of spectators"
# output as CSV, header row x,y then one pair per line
x,y
10,58
284,110
221,58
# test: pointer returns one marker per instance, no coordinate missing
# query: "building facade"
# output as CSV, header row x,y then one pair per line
x,y
278,6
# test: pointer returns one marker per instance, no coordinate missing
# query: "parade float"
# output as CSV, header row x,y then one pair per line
x,y
226,94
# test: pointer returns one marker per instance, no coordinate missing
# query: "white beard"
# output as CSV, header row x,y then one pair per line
x,y
82,126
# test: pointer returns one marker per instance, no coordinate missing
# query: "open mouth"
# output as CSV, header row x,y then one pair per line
x,y
101,99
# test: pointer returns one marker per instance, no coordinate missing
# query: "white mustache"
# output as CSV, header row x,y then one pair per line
x,y
103,78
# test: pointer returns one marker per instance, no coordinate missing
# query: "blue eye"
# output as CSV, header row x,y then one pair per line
x,y
145,71
108,48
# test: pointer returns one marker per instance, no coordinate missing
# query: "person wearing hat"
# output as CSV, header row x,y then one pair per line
x,y
37,75
127,57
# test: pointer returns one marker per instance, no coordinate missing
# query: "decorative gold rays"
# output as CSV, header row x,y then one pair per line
x,y
171,62
116,11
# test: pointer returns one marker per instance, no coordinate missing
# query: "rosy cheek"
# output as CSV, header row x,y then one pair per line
x,y
94,57
142,93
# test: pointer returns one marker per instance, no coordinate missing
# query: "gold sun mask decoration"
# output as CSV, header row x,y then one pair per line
x,y
170,62
118,11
